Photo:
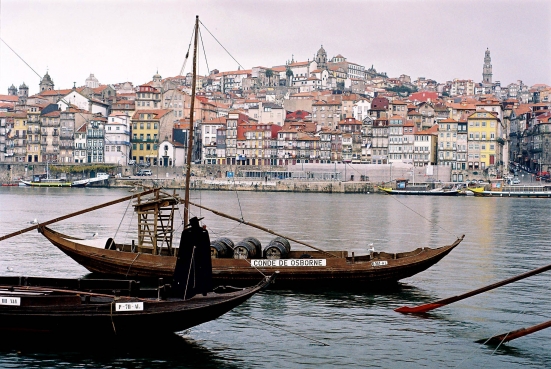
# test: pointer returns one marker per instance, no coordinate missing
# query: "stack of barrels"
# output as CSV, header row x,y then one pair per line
x,y
278,248
249,248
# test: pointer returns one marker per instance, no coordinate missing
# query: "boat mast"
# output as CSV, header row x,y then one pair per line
x,y
190,137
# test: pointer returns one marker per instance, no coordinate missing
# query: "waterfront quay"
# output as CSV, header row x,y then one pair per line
x,y
324,178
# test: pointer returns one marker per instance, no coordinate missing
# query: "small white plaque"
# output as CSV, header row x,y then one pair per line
x,y
13,301
263,263
129,306
379,263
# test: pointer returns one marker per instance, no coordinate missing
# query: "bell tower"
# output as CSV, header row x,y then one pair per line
x,y
487,71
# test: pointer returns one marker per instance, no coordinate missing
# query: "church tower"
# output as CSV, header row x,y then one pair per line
x,y
157,80
321,58
487,71
46,83
12,91
23,94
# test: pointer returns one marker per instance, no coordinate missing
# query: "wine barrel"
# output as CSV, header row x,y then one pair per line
x,y
256,244
221,248
278,248
229,244
245,249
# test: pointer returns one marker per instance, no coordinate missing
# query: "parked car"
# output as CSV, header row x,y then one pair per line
x,y
516,181
144,172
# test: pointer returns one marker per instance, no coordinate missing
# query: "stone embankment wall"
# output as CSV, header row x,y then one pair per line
x,y
247,185
328,178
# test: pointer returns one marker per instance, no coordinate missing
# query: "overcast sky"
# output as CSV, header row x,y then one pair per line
x,y
128,40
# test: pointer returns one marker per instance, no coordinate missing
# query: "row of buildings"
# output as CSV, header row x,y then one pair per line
x,y
318,111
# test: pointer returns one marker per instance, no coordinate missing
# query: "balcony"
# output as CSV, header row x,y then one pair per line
x,y
20,143
66,145
67,136
33,141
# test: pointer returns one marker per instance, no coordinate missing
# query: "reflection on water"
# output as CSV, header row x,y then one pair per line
x,y
174,350
504,237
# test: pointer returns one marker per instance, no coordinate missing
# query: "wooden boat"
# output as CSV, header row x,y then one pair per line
x,y
52,182
422,192
48,182
153,256
75,307
541,191
403,187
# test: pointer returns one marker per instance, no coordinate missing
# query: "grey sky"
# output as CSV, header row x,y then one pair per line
x,y
128,40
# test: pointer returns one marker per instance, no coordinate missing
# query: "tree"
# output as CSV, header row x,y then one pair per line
x,y
269,75
289,73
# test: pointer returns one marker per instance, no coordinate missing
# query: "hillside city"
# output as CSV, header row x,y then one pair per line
x,y
324,110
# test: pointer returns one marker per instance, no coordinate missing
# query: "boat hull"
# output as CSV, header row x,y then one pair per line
x,y
528,191
339,271
420,193
46,184
81,313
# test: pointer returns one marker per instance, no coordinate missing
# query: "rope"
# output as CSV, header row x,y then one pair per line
x,y
128,271
189,272
221,45
111,315
428,220
122,218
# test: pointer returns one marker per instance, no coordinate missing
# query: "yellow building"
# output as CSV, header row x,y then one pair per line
x,y
484,149
33,133
149,127
19,137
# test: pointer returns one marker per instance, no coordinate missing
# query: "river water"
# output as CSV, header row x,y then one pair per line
x,y
282,329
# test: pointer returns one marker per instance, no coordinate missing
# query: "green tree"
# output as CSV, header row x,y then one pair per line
x,y
289,73
269,75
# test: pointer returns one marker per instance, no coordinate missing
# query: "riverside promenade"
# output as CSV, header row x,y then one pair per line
x,y
323,178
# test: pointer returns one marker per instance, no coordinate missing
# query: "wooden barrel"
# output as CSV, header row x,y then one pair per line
x,y
229,244
278,248
221,248
245,250
256,244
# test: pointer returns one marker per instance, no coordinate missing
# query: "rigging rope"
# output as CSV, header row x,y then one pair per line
x,y
422,216
221,45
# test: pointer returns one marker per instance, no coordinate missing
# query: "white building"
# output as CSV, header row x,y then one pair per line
x,y
117,139
209,130
171,154
75,98
79,152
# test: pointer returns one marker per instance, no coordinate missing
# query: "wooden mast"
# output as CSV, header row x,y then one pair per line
x,y
190,138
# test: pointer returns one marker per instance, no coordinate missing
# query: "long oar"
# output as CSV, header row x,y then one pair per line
x,y
435,305
74,214
261,228
514,334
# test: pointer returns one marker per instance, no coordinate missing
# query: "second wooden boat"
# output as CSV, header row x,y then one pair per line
x,y
75,307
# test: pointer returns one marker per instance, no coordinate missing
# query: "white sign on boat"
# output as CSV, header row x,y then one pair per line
x,y
259,263
129,306
14,301
379,263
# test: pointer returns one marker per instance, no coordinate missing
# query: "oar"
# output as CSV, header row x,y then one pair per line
x,y
260,227
74,214
435,305
514,334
